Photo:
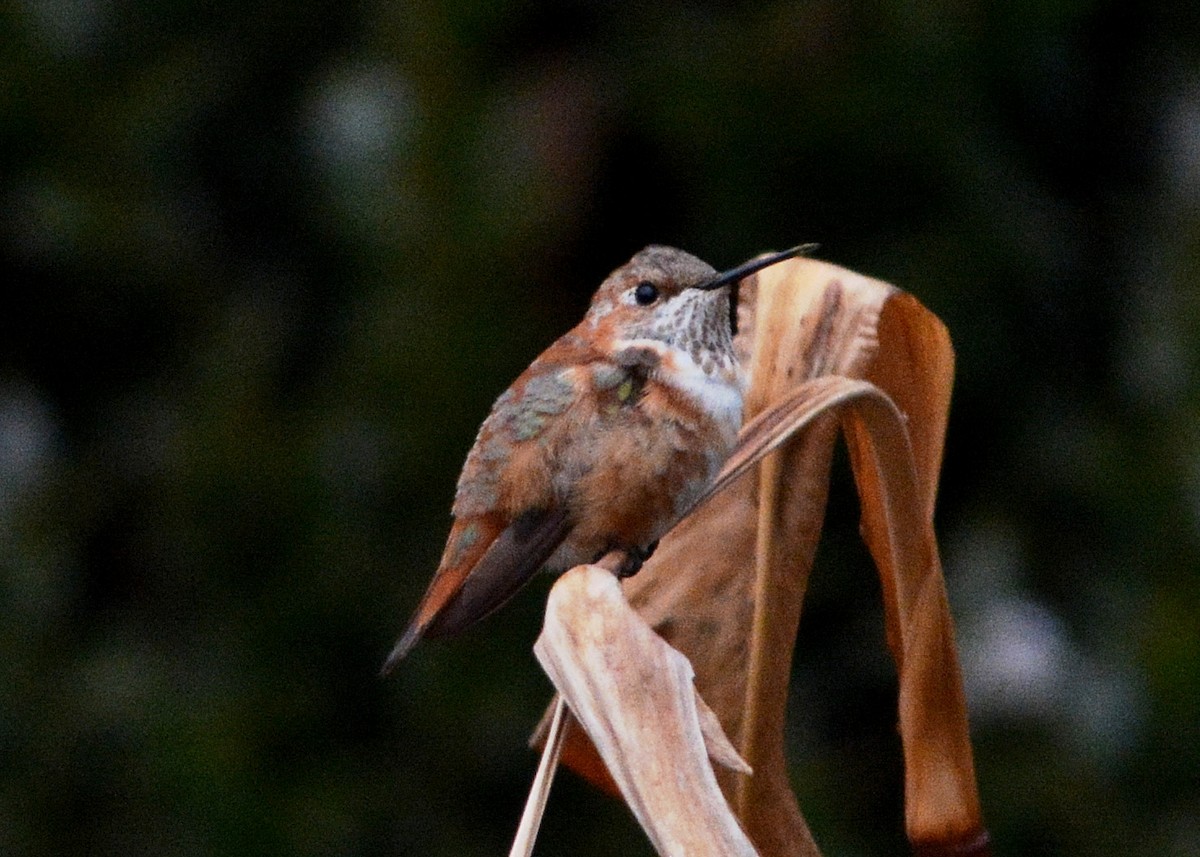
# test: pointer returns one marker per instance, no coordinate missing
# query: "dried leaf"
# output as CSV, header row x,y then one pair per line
x,y
896,465
726,586
634,695
720,749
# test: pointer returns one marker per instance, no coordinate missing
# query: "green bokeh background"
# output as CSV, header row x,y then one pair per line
x,y
266,265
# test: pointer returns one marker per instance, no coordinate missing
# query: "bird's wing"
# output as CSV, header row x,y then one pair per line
x,y
489,569
508,519
514,557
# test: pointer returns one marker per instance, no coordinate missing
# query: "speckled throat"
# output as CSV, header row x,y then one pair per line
x,y
697,323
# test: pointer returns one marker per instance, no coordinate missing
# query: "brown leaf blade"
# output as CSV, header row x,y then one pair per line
x,y
727,585
895,453
811,321
635,697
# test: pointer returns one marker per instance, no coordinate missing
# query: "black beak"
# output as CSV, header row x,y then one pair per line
x,y
734,275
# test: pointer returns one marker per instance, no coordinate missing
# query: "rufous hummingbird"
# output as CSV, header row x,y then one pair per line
x,y
601,444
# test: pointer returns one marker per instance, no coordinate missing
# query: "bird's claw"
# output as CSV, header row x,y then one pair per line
x,y
634,559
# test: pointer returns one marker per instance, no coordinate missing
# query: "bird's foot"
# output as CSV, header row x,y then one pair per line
x,y
625,561
634,559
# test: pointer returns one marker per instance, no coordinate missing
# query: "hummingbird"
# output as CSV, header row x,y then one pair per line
x,y
601,444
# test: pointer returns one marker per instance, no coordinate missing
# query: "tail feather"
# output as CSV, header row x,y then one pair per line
x,y
486,576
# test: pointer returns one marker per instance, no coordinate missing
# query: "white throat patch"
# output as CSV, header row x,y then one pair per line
x,y
719,393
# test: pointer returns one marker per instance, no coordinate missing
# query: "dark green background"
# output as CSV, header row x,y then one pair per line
x,y
266,265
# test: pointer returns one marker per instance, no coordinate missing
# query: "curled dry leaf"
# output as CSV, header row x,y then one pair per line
x,y
828,351
634,696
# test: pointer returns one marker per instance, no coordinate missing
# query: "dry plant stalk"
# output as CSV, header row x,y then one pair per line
x,y
539,792
829,352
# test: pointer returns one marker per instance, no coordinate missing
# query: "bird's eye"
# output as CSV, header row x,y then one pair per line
x,y
646,293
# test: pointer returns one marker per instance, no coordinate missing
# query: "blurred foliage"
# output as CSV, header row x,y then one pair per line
x,y
267,265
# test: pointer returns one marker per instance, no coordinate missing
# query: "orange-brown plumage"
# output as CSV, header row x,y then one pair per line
x,y
599,445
